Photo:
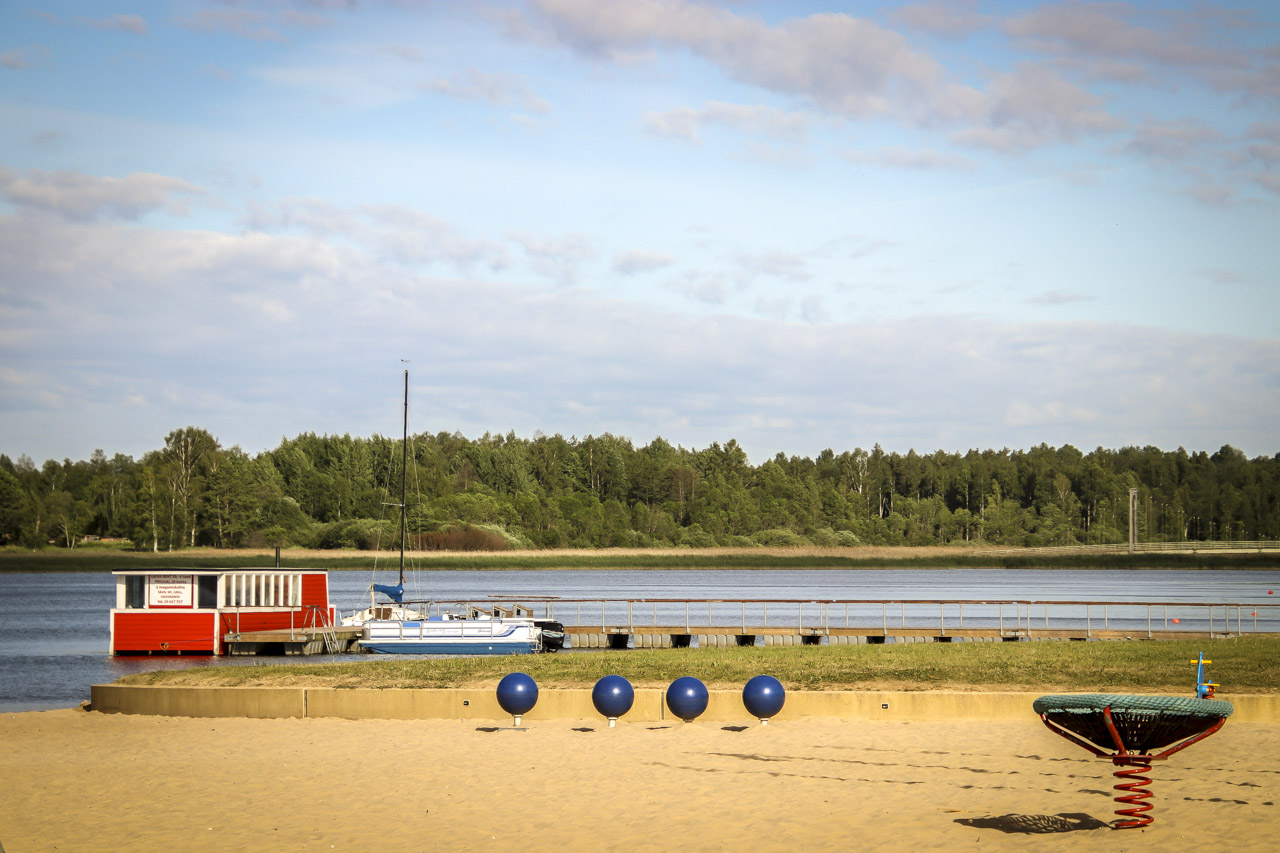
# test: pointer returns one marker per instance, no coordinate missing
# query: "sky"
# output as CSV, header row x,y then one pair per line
x,y
797,225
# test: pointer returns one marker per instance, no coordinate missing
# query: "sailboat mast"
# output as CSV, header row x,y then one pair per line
x,y
404,471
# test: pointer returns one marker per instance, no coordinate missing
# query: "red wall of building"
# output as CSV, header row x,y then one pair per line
x,y
315,590
244,622
151,630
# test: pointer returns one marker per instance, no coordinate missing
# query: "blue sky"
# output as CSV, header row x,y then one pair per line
x,y
797,225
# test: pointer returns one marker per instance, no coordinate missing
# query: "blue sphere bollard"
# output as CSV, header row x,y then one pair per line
x,y
687,698
517,694
613,697
763,696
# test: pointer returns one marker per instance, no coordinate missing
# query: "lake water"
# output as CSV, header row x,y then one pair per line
x,y
54,632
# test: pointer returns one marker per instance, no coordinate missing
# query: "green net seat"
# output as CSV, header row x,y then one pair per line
x,y
1145,723
1132,731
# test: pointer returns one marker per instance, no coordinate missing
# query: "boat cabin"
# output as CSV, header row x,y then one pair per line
x,y
191,611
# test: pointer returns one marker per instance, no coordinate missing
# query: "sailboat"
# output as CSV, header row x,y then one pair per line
x,y
395,610
393,628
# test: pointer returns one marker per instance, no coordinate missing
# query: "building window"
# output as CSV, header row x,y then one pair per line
x,y
135,591
208,591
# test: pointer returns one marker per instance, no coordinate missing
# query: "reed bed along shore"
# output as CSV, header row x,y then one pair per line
x,y
1243,665
114,557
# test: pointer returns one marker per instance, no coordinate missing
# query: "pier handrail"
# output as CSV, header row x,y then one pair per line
x,y
555,599
793,615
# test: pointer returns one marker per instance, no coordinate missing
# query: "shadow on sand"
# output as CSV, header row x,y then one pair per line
x,y
1035,824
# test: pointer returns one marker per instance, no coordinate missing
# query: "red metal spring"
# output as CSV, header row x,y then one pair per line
x,y
1132,768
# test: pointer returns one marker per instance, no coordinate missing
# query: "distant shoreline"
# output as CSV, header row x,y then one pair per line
x,y
92,558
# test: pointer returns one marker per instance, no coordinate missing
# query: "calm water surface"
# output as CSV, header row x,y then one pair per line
x,y
54,632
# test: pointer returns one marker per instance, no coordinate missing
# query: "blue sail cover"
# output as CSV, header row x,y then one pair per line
x,y
395,593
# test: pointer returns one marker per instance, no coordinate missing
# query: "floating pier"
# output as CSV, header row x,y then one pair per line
x,y
714,623
668,637
664,623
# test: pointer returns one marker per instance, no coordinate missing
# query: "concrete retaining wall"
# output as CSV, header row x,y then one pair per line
x,y
268,702
724,706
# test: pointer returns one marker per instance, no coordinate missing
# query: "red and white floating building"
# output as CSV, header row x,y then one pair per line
x,y
172,611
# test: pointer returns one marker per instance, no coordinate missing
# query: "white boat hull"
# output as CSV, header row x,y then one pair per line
x,y
452,637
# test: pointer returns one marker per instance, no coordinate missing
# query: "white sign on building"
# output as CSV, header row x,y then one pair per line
x,y
171,591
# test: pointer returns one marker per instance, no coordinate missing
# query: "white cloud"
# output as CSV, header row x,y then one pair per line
x,y
304,20
813,309
952,19
556,258
407,52
1104,30
1264,147
497,89
1211,193
1047,413
636,261
684,122
1225,277
126,23
18,58
501,259
849,67
1034,106
700,287
1056,297
1128,43
135,24
190,322
275,310
789,266
846,65
917,159
13,59
411,236
215,71
79,196
1172,141
242,23
391,232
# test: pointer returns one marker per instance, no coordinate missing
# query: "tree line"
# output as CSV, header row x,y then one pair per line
x,y
498,491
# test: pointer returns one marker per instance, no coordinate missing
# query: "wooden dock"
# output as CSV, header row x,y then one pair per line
x,y
321,640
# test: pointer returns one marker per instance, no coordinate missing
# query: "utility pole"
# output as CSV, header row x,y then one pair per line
x,y
1133,520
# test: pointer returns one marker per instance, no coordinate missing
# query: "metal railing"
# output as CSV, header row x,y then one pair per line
x,y
938,617
1185,547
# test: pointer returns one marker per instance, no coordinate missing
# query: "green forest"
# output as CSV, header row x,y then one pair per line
x,y
502,491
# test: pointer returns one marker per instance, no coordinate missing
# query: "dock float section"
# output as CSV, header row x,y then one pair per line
x,y
717,623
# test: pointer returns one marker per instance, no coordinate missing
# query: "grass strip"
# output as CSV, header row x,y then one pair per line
x,y
88,560
1243,665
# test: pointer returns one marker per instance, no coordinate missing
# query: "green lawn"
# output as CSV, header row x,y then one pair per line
x,y
1245,665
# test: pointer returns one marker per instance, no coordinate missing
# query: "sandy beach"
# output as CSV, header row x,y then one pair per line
x,y
82,781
